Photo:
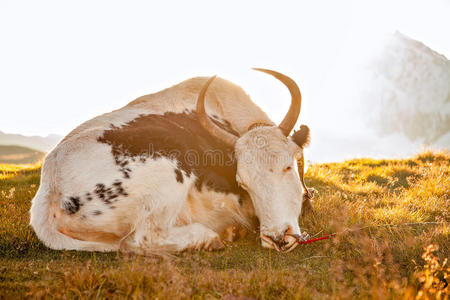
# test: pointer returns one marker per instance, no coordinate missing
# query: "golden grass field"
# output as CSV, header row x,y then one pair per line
x,y
389,259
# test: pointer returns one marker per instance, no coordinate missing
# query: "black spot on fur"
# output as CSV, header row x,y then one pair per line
x,y
179,176
96,212
113,196
119,189
73,205
301,137
99,188
177,136
109,195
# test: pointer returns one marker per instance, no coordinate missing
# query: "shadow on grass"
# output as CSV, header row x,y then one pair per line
x,y
378,179
398,178
403,178
322,185
430,157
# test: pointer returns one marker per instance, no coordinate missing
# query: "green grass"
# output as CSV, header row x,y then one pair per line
x,y
377,262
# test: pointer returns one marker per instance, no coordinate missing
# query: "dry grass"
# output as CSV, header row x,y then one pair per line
x,y
395,261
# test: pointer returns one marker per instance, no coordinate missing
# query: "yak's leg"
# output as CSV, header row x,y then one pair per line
x,y
193,236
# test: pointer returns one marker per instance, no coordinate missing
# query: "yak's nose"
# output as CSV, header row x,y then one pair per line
x,y
279,239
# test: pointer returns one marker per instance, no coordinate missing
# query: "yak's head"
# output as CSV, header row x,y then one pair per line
x,y
268,169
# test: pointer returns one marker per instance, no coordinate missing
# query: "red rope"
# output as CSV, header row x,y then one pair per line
x,y
325,237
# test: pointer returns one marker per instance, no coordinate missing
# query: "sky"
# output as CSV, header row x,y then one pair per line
x,y
64,62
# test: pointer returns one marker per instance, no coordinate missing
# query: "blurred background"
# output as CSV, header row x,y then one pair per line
x,y
374,75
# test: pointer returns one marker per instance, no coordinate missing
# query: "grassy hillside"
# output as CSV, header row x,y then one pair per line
x,y
405,258
19,155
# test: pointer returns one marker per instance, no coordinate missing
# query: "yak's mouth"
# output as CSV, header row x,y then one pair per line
x,y
286,245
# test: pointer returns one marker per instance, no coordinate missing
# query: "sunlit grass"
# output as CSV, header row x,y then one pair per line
x,y
12,170
384,260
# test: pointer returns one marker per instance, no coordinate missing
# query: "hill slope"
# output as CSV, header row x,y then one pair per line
x,y
40,143
393,202
19,155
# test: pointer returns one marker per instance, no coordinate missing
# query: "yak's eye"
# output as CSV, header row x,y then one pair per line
x,y
287,169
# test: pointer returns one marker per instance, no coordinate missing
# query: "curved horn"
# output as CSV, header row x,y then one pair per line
x,y
291,117
206,122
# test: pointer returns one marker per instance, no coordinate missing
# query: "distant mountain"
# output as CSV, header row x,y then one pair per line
x,y
413,92
40,143
19,155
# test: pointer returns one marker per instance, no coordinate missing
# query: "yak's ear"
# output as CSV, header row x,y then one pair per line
x,y
301,136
